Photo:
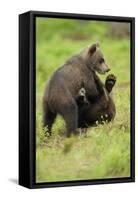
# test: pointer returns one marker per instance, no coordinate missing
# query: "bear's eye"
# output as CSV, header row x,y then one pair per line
x,y
101,60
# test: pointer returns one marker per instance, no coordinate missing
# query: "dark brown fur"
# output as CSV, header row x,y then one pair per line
x,y
104,108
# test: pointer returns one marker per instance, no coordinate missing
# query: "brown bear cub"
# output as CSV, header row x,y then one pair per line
x,y
77,72
104,108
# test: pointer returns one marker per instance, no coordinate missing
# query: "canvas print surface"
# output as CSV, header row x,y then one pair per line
x,y
82,100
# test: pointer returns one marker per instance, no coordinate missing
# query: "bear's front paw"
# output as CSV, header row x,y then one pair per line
x,y
111,77
110,82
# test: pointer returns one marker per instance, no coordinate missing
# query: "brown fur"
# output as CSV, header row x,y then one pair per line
x,y
63,87
103,110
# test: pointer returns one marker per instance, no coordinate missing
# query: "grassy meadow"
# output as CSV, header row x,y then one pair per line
x,y
104,151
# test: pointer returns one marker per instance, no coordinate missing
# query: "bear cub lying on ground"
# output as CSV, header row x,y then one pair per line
x,y
104,109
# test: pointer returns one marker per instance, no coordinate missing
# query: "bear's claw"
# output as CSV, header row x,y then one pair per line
x,y
110,82
111,77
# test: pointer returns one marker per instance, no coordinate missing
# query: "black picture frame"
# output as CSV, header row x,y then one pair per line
x,y
27,98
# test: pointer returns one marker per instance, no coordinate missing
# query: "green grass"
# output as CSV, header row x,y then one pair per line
x,y
104,152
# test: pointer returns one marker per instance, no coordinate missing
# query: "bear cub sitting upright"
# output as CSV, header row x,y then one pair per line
x,y
77,72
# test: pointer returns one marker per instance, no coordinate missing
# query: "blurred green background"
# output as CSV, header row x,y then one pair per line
x,y
104,152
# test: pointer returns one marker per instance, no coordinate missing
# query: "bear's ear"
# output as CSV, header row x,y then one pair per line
x,y
97,44
92,48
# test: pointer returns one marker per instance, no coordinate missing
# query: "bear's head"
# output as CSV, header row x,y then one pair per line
x,y
96,60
